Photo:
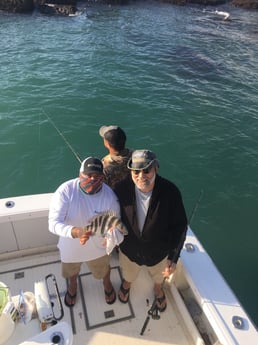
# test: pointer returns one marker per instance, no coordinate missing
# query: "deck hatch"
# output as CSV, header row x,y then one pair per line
x,y
97,313
109,313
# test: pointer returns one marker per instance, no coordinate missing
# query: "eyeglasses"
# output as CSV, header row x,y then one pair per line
x,y
144,171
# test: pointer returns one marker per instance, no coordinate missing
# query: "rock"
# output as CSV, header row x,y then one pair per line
x,y
19,6
61,7
249,4
197,2
68,7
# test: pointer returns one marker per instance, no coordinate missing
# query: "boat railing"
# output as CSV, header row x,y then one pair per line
x,y
24,226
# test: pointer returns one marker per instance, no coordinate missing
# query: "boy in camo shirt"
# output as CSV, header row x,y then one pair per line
x,y
115,163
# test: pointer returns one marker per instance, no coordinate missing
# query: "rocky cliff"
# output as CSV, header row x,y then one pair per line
x,y
67,7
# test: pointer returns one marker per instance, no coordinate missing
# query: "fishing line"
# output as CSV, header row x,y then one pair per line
x,y
63,137
181,243
195,207
39,149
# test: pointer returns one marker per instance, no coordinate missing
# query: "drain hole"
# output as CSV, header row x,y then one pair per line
x,y
56,339
9,204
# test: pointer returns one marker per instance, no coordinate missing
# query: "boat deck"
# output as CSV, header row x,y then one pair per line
x,y
202,309
93,321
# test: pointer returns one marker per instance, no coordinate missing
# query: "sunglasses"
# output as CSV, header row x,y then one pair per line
x,y
144,171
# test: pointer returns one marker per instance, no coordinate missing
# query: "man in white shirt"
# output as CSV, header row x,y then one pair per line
x,y
73,204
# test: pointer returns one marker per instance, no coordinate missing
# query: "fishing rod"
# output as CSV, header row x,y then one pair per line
x,y
195,207
153,311
63,137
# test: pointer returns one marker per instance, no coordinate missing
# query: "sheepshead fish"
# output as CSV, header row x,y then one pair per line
x,y
109,227
101,223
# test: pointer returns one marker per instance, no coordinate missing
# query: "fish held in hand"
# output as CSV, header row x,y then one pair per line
x,y
108,226
103,222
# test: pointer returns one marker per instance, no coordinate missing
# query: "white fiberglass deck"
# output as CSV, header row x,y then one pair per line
x,y
202,309
93,321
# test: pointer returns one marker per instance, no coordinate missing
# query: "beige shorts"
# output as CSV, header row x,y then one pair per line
x,y
130,269
98,267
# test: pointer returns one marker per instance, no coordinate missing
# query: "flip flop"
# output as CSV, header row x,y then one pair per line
x,y
109,294
160,301
72,297
125,292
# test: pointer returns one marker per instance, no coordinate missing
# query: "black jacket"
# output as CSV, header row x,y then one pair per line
x,y
165,225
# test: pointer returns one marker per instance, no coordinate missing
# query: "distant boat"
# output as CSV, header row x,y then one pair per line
x,y
58,9
225,15
201,307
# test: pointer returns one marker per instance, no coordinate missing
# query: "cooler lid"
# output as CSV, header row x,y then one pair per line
x,y
4,296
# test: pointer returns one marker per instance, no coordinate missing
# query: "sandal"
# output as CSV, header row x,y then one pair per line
x,y
161,303
124,292
109,294
72,298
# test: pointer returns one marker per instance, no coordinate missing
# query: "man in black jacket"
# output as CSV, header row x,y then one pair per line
x,y
153,212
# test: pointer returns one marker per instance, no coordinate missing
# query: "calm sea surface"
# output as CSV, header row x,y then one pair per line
x,y
180,81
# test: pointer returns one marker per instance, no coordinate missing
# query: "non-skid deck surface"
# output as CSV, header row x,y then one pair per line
x,y
93,321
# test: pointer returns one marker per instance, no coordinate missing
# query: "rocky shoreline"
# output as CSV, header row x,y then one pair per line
x,y
68,7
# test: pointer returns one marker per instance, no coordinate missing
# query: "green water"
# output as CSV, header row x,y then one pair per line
x,y
179,80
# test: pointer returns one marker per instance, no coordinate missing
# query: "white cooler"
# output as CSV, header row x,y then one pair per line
x,y
8,314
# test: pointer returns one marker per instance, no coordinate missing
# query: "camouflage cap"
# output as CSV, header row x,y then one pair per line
x,y
142,159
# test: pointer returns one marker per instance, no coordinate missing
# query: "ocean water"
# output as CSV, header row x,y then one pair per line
x,y
179,80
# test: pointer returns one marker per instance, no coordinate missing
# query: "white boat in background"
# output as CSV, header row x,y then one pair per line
x,y
224,14
202,309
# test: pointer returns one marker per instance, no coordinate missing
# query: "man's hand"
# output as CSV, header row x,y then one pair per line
x,y
171,267
81,234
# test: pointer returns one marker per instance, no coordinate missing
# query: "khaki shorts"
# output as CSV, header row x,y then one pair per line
x,y
98,267
130,269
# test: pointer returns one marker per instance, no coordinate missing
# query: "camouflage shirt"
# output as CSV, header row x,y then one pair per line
x,y
115,167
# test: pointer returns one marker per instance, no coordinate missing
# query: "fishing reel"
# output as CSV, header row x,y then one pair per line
x,y
154,312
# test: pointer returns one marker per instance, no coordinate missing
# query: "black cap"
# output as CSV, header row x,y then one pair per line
x,y
91,165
